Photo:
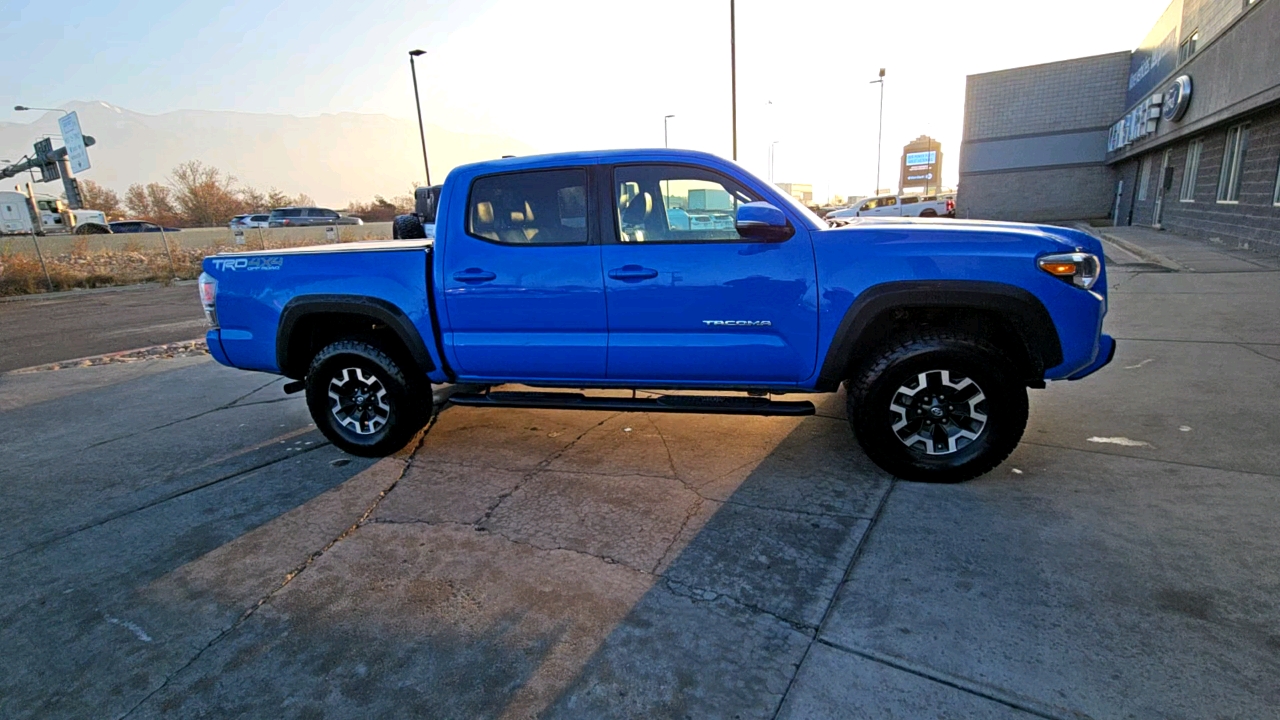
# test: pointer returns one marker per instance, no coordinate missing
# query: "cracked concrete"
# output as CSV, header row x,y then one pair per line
x,y
184,544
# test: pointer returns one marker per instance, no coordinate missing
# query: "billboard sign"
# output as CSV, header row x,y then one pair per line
x,y
1156,58
74,140
921,164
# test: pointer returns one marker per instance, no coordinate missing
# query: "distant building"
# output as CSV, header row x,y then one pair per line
x,y
1182,133
800,191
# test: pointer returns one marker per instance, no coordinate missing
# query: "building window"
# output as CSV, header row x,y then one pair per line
x,y
1191,171
1144,178
1233,164
1275,195
1188,47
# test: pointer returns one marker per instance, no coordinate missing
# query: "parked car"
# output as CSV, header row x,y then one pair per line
x,y
138,226
259,220
897,206
308,217
566,271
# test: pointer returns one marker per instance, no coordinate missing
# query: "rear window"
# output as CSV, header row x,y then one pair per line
x,y
545,207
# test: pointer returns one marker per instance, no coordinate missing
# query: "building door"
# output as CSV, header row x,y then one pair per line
x,y
1115,212
1165,182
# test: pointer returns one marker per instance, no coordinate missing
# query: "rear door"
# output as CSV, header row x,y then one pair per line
x,y
523,287
692,302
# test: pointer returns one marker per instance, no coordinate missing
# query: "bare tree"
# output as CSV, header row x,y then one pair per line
x,y
96,197
204,194
153,202
254,200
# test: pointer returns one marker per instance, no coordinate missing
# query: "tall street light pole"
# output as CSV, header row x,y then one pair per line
x,y
733,76
665,118
422,132
880,134
20,108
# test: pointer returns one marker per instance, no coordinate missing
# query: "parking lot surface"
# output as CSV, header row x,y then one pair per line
x,y
183,543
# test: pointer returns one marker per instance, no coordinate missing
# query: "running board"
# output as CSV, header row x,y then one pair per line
x,y
708,404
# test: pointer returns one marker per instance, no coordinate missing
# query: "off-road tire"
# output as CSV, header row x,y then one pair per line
x,y
393,416
407,227
874,390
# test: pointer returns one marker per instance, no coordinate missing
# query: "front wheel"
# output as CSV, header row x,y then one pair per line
x,y
938,407
361,399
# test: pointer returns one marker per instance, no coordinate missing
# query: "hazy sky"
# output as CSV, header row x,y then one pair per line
x,y
571,74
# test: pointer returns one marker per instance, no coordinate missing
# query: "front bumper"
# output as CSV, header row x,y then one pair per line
x,y
1106,351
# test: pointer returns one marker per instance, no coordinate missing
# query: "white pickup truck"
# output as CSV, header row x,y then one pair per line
x,y
898,206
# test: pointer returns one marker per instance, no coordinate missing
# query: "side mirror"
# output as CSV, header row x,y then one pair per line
x,y
763,222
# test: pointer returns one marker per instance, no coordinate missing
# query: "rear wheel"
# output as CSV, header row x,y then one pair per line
x,y
929,213
938,407
361,399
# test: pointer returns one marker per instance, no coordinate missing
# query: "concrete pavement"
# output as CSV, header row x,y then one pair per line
x,y
183,544
40,329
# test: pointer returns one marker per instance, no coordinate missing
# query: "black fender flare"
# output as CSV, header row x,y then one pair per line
x,y
1024,311
376,309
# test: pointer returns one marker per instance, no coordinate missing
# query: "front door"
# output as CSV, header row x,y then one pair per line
x,y
1164,183
690,301
523,287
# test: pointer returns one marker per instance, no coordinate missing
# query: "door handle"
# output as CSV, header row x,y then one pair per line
x,y
474,275
633,272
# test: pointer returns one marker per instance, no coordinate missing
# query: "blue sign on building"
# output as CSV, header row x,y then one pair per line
x,y
1156,58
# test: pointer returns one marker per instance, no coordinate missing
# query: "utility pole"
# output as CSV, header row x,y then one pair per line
x,y
422,133
880,134
733,76
665,118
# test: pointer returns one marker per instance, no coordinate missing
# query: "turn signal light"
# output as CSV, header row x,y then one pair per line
x,y
1061,269
1079,269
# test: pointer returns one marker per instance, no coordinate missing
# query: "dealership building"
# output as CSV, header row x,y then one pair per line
x,y
1181,134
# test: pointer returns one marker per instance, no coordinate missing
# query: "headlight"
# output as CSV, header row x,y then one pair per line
x,y
209,297
1079,269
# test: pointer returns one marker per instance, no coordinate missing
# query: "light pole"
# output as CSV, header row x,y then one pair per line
x,y
733,76
20,108
422,133
880,134
772,154
665,118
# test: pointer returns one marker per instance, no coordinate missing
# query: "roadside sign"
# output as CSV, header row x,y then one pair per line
x,y
331,233
74,140
238,234
48,168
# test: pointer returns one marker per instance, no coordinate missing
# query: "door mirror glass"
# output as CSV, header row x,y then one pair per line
x,y
763,222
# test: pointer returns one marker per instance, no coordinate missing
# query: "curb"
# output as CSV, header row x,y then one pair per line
x,y
193,347
1141,252
92,291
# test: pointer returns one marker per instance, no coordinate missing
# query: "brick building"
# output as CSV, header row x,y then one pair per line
x,y
1182,133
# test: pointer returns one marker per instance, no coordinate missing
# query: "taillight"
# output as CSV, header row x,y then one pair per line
x,y
951,205
209,297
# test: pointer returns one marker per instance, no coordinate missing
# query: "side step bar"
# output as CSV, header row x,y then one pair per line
x,y
707,404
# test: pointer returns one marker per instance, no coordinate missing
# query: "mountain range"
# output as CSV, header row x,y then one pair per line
x,y
334,158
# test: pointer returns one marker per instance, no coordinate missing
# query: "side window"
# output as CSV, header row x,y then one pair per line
x,y
673,203
888,202
292,212
869,205
910,200
544,207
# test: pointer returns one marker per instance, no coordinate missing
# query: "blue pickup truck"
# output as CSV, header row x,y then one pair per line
x,y
680,274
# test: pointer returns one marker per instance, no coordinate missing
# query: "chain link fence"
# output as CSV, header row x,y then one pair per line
x,y
30,264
